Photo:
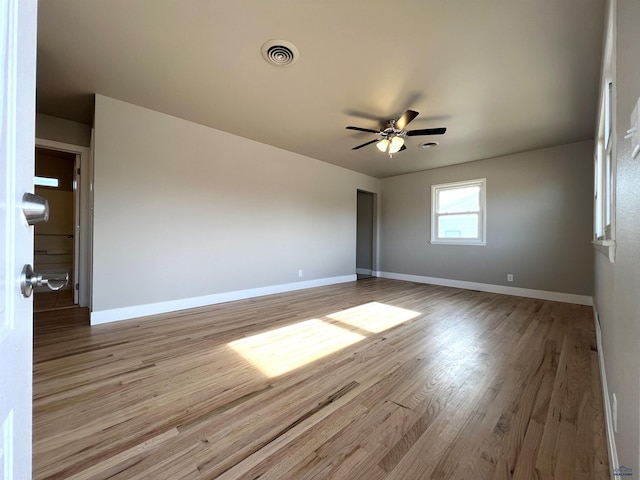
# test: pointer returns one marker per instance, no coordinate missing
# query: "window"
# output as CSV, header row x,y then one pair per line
x,y
604,192
458,213
46,182
604,173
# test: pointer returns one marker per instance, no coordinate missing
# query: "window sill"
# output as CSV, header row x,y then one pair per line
x,y
609,247
472,244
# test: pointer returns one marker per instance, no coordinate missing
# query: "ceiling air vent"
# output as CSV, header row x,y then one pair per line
x,y
280,53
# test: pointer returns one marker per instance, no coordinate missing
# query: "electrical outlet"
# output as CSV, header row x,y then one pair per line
x,y
509,277
300,273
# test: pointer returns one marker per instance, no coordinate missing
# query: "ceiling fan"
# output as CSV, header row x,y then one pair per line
x,y
391,139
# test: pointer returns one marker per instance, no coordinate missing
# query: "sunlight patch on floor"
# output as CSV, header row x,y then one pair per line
x,y
284,349
374,317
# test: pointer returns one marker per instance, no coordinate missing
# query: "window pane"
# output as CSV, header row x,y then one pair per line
x,y
464,199
458,226
608,191
46,182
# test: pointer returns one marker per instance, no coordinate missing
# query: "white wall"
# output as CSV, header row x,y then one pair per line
x,y
183,211
538,227
617,289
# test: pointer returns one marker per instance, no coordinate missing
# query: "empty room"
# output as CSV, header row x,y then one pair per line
x,y
321,240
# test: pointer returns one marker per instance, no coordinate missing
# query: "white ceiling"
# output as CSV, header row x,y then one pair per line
x,y
503,76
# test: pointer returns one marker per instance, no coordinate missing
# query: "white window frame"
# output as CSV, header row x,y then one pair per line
x,y
482,213
604,172
604,198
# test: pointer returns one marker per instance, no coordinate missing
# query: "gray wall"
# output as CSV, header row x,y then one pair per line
x,y
617,289
182,210
60,130
539,222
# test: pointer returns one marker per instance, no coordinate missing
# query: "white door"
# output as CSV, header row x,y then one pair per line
x,y
17,145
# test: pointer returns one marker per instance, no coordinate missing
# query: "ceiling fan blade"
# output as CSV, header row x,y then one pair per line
x,y
365,144
406,117
426,131
363,129
403,147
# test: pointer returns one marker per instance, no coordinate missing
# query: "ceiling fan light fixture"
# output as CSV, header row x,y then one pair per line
x,y
383,145
396,144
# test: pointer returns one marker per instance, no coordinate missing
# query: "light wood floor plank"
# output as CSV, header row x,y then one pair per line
x,y
428,382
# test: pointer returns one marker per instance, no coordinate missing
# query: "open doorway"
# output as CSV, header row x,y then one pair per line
x,y
365,235
55,248
71,164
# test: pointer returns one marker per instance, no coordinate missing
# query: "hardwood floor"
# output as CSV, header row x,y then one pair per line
x,y
376,379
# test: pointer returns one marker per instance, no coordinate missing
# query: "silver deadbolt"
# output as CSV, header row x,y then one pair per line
x,y
29,279
35,208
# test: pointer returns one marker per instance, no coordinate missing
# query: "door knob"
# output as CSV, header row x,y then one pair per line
x,y
29,279
35,208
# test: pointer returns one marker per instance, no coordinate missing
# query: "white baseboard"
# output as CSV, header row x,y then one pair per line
x,y
614,464
137,311
487,287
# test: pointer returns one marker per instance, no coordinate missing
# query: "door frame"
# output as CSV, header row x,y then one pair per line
x,y
83,240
